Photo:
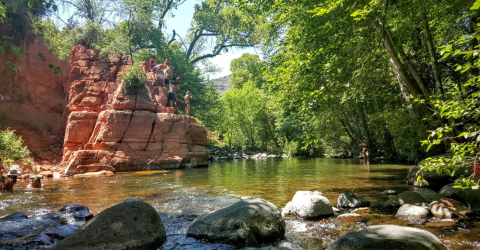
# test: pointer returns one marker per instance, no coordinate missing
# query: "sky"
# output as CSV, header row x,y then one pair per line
x,y
181,23
180,20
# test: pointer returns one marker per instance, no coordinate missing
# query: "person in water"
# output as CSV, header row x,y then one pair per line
x,y
364,149
187,99
36,182
9,182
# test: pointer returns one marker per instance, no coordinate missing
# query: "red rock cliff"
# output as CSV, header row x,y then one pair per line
x,y
34,100
108,126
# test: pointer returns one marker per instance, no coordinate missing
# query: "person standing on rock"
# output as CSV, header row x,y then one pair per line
x,y
160,76
187,99
171,97
175,86
151,63
168,72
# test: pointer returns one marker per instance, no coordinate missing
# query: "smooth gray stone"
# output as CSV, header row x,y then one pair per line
x,y
388,237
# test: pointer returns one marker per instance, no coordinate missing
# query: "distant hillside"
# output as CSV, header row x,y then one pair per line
x,y
222,84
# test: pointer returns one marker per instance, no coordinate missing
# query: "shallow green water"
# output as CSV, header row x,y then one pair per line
x,y
275,180
198,191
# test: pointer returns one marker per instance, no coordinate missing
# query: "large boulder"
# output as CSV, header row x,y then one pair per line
x,y
45,238
448,208
428,194
389,237
310,205
409,211
469,197
248,222
350,200
131,224
407,197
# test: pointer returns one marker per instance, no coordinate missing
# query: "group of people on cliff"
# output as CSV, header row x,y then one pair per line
x,y
165,77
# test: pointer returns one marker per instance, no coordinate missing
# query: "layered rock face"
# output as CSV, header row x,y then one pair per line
x,y
128,131
34,99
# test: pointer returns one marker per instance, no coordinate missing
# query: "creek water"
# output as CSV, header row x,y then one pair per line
x,y
181,195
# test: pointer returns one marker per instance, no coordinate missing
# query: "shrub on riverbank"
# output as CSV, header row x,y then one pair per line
x,y
12,149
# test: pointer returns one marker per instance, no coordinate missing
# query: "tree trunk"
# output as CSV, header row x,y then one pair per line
x,y
433,55
400,69
410,66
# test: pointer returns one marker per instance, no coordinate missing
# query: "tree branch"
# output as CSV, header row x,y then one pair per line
x,y
215,53
173,37
197,35
164,13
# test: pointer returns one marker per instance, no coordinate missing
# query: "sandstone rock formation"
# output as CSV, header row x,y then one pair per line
x,y
34,99
128,131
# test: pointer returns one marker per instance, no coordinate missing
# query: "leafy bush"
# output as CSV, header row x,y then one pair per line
x,y
11,148
133,78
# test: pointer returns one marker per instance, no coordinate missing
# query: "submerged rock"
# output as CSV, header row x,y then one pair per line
x,y
71,214
407,197
447,223
409,211
310,205
21,230
388,237
351,200
247,222
17,228
45,238
131,224
390,192
448,208
12,217
350,217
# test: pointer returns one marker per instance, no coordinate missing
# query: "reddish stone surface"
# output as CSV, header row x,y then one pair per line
x,y
35,100
128,131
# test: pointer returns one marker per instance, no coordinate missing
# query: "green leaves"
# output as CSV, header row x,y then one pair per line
x,y
476,5
134,78
11,148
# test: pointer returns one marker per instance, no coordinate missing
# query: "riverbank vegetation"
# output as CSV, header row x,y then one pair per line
x,y
398,76
12,149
